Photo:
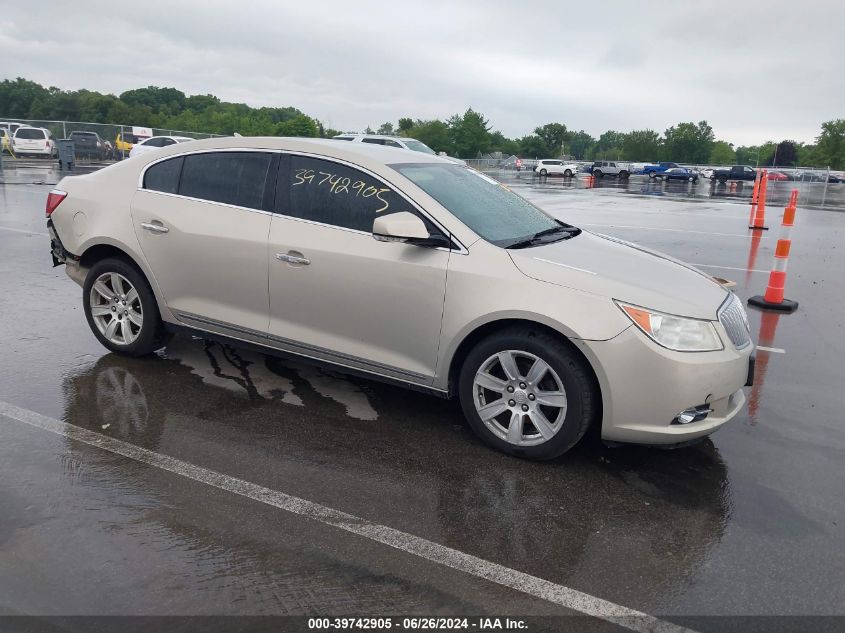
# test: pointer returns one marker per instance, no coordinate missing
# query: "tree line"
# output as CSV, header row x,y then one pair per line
x,y
467,135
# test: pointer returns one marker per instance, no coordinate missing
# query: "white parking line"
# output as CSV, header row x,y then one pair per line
x,y
655,228
408,543
24,231
776,350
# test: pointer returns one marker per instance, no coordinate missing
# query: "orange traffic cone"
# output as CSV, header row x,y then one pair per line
x,y
773,298
760,213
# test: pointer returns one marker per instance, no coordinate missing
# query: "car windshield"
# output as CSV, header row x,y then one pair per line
x,y
490,209
417,146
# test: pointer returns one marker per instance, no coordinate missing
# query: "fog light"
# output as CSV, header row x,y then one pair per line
x,y
693,414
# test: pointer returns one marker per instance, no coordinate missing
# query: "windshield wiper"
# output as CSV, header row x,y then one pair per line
x,y
537,238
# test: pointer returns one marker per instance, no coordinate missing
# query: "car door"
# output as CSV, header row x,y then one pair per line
x,y
338,294
202,221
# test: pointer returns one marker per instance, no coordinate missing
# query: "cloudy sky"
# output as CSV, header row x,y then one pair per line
x,y
754,70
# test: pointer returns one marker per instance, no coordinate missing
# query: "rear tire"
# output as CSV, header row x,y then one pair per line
x,y
121,308
561,395
624,175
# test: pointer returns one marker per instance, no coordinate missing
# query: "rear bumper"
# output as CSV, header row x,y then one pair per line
x,y
60,256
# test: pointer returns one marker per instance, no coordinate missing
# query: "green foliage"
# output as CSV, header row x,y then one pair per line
x,y
579,143
689,142
470,134
553,136
830,144
163,108
434,133
386,129
641,145
532,146
466,135
722,154
785,153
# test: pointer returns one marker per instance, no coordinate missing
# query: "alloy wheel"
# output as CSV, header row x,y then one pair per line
x,y
116,308
519,398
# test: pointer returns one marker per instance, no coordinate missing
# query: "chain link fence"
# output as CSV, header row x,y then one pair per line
x,y
117,139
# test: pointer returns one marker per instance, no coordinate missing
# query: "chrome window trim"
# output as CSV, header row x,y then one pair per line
x,y
461,250
204,201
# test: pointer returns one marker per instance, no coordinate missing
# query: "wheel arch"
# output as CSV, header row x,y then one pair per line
x,y
484,330
100,250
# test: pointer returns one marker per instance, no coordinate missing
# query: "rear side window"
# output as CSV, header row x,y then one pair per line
x,y
375,141
236,178
30,133
164,176
331,193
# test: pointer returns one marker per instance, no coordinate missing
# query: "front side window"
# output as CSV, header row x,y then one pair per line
x,y
490,209
374,141
332,193
236,178
164,176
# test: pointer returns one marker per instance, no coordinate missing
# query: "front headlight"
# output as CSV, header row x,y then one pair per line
x,y
680,334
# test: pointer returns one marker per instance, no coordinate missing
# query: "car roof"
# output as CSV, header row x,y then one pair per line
x,y
326,147
390,136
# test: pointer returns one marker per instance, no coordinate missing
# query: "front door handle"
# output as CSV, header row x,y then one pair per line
x,y
154,227
293,259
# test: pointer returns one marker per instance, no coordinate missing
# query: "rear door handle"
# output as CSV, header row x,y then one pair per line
x,y
293,259
154,227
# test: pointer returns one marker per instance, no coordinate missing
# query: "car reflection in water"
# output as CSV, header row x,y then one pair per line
x,y
407,460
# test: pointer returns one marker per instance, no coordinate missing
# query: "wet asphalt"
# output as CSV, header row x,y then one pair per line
x,y
748,522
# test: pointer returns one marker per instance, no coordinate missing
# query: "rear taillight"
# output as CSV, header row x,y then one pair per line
x,y
54,199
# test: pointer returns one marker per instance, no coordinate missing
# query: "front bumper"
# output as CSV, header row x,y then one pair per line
x,y
645,386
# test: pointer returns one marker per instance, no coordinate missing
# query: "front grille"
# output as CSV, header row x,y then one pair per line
x,y
733,319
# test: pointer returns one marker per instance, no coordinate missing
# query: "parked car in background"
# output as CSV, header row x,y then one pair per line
x,y
707,172
33,141
610,168
836,177
778,176
737,172
129,137
156,142
88,145
652,170
394,141
11,127
679,173
539,329
555,167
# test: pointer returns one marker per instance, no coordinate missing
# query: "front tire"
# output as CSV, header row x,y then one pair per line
x,y
543,173
567,173
528,393
121,309
598,173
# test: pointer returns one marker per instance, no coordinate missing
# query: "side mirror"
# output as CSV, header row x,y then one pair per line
x,y
408,228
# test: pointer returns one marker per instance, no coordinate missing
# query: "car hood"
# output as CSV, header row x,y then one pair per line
x,y
620,270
